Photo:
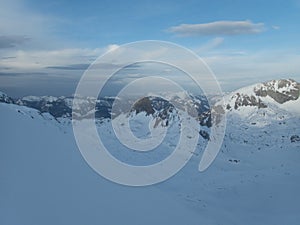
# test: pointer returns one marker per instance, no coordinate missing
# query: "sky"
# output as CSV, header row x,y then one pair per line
x,y
45,46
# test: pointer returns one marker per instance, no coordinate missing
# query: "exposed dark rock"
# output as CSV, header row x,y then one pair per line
x,y
295,138
234,160
143,105
246,100
4,98
204,134
205,119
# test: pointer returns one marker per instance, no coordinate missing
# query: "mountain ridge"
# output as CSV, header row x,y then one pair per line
x,y
282,93
276,92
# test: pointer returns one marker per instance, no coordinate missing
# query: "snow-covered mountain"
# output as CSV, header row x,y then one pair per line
x,y
62,106
4,98
264,106
265,113
283,94
254,180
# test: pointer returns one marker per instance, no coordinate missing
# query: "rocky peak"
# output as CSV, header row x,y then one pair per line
x,y
278,91
281,91
143,105
196,106
246,100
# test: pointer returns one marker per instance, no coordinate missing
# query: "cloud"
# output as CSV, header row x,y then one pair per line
x,y
32,60
17,19
19,22
20,74
81,66
112,47
212,44
218,28
237,70
10,41
276,27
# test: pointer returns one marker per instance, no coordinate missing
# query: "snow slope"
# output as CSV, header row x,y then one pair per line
x,y
255,179
44,180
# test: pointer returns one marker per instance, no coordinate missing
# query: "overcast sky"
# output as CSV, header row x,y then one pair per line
x,y
45,46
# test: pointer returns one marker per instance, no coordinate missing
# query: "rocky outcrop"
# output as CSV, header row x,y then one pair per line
x,y
280,90
295,138
4,98
143,105
246,100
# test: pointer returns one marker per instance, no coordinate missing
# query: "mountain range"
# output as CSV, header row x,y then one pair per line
x,y
255,178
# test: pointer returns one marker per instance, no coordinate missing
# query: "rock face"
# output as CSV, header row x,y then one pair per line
x,y
295,138
196,107
4,98
246,100
145,105
279,90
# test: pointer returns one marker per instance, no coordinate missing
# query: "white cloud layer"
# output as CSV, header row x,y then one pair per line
x,y
38,60
218,28
210,45
228,66
16,19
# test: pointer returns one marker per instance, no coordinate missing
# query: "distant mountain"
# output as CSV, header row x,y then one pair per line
x,y
61,107
4,98
264,113
283,93
261,104
196,106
